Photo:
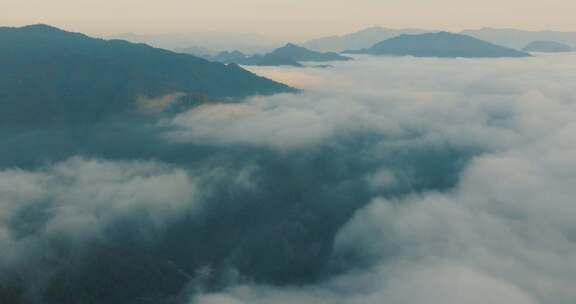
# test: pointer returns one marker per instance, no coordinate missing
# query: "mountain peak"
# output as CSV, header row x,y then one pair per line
x,y
372,29
290,49
290,54
41,27
440,44
291,45
363,38
299,53
547,46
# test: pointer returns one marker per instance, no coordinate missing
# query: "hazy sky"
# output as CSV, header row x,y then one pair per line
x,y
293,19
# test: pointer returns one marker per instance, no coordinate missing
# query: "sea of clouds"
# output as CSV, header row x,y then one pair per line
x,y
504,234
387,180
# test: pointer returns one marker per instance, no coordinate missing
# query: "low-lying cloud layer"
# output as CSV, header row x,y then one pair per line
x,y
504,234
395,180
51,218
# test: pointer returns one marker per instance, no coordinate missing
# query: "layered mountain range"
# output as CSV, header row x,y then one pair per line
x,y
441,44
52,77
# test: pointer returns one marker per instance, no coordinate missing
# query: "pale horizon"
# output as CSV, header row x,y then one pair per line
x,y
287,20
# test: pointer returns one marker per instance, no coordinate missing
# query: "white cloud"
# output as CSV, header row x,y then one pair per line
x,y
505,234
76,201
464,102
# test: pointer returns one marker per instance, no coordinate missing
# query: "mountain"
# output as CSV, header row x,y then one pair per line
x,y
518,39
441,44
302,54
269,60
290,55
52,77
195,50
358,40
547,47
238,57
229,57
216,41
511,38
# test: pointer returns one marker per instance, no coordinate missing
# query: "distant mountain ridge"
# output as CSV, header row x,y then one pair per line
x,y
198,43
195,50
440,44
547,47
214,41
51,77
289,55
357,40
518,39
511,38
